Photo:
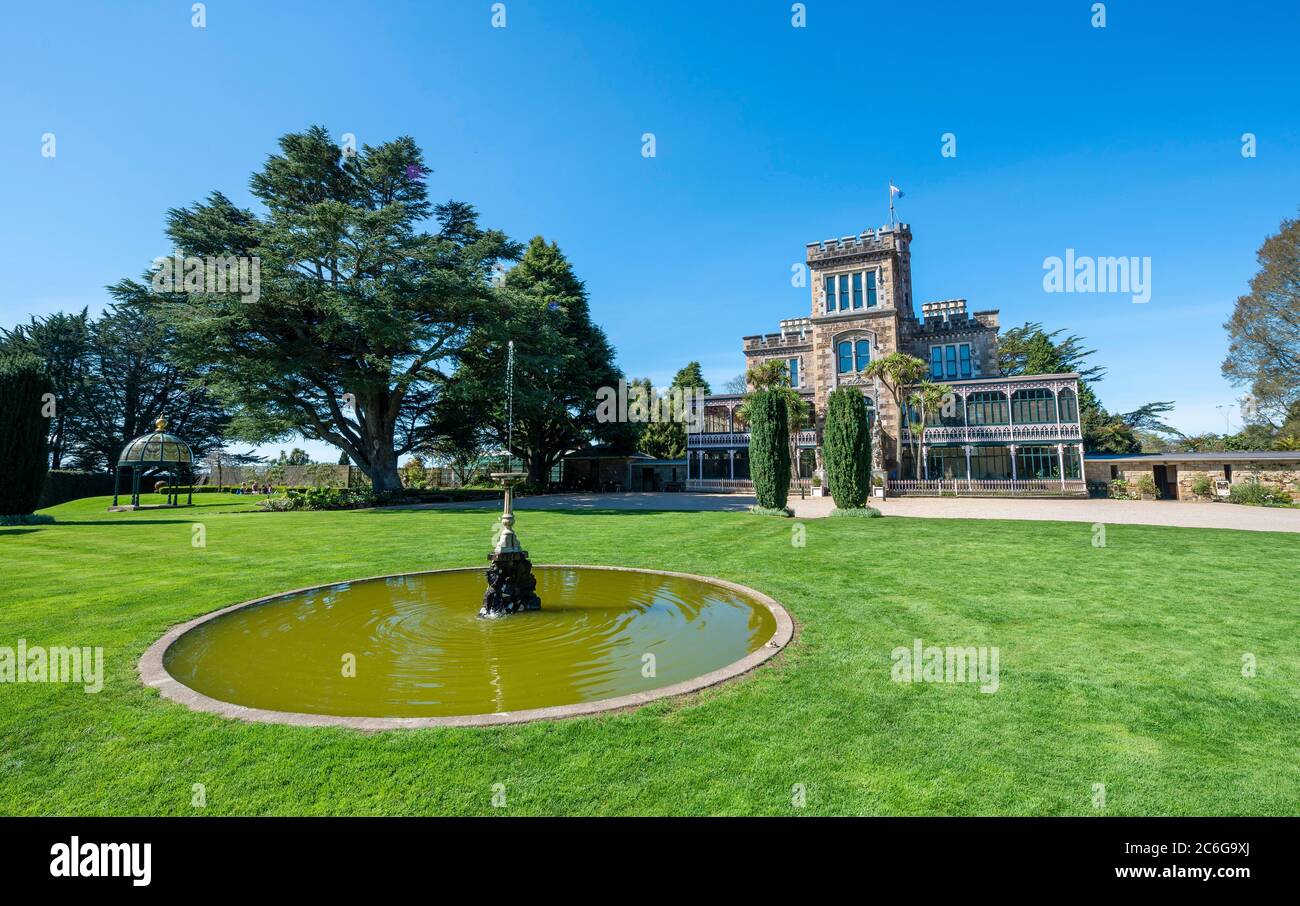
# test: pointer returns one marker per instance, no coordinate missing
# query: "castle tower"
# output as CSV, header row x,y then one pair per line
x,y
861,295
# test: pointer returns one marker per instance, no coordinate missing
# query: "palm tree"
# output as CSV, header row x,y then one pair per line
x,y
896,371
774,374
927,399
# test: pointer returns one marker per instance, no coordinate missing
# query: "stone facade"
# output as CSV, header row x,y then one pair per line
x,y
885,320
1020,430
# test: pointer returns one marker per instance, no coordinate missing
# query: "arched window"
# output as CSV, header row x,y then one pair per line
x,y
1033,407
1069,405
853,355
845,350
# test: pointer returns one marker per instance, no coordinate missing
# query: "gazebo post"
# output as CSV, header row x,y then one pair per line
x,y
117,483
135,486
189,493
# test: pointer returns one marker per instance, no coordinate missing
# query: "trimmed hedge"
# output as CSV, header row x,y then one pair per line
x,y
846,443
24,432
769,448
63,485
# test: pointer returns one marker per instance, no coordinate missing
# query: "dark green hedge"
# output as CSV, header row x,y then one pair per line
x,y
63,485
769,448
24,429
846,444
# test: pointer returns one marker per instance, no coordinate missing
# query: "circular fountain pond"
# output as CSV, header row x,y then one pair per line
x,y
605,638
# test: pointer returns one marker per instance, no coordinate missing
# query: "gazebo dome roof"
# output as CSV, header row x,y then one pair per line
x,y
157,449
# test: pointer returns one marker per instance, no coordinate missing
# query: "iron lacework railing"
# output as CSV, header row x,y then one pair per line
x,y
956,487
737,439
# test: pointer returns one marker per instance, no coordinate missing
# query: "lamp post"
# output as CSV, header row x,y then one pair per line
x,y
1227,418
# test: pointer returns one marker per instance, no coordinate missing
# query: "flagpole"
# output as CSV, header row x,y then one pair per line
x,y
890,189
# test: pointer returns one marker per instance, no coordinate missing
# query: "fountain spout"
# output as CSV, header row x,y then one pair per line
x,y
512,587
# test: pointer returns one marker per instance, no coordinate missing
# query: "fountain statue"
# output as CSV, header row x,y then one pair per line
x,y
512,587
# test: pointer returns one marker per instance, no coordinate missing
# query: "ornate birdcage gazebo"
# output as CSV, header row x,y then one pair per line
x,y
158,451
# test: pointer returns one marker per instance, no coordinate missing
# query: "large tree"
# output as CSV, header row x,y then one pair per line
x,y
132,380
666,438
1264,330
562,358
361,312
1029,349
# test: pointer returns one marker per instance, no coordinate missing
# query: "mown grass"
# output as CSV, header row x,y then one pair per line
x,y
1120,665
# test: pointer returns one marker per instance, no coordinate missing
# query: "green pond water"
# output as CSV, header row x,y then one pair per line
x,y
420,649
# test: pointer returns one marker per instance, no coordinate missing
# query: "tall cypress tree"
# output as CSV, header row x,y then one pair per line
x,y
562,359
847,445
667,439
769,449
24,427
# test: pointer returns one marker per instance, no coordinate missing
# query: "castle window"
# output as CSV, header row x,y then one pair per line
x,y
794,371
862,355
853,291
951,361
853,355
845,350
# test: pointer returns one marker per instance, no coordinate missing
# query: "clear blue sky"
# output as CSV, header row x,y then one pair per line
x,y
1117,141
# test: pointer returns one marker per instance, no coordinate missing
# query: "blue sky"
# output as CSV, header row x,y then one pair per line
x,y
1123,140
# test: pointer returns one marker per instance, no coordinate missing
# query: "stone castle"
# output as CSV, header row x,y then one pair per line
x,y
1016,434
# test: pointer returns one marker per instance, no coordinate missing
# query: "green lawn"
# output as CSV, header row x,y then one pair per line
x,y
1119,665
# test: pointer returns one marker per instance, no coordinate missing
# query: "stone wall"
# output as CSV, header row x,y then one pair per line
x,y
1285,475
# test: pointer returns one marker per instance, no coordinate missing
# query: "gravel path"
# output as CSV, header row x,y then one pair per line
x,y
1114,512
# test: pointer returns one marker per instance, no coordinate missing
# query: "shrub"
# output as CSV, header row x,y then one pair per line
x,y
769,448
24,428
318,499
278,504
26,520
771,511
1252,493
1119,489
1146,486
860,512
1203,487
847,446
